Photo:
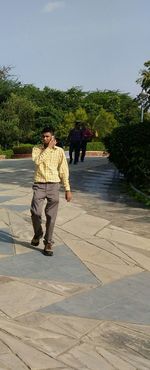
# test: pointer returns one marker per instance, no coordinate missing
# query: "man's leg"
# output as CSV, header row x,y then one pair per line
x,y
84,143
39,195
77,153
71,148
52,195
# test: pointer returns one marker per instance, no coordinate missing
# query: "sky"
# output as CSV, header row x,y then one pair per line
x,y
92,44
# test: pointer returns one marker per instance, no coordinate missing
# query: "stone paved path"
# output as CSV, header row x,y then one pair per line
x,y
87,307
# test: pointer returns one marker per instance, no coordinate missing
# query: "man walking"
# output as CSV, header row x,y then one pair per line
x,y
51,169
74,139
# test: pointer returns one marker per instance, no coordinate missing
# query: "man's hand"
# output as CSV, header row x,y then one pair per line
x,y
52,142
68,196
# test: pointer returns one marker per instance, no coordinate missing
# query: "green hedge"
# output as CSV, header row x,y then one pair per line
x,y
23,149
129,150
95,146
92,146
8,153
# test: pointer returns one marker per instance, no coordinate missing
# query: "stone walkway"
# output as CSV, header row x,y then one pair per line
x,y
88,306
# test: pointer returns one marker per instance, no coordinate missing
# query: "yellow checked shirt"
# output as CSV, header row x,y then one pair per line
x,y
51,165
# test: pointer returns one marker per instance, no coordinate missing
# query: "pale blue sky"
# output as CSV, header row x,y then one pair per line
x,y
94,44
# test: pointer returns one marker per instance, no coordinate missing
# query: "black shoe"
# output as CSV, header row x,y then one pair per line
x,y
36,240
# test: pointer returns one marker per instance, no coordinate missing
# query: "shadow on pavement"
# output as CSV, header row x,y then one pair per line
x,y
6,237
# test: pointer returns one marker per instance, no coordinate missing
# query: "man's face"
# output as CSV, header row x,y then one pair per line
x,y
47,138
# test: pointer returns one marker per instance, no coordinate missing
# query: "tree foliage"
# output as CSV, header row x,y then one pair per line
x,y
129,144
65,126
105,123
8,84
26,109
144,81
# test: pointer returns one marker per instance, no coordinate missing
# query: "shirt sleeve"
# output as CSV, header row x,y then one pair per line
x,y
64,171
39,155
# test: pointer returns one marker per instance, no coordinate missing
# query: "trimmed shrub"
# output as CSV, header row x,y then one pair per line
x,y
92,146
8,153
129,150
23,149
95,146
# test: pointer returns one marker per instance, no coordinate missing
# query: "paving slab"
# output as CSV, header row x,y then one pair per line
x,y
4,217
64,289
104,259
18,298
5,198
126,299
124,237
35,265
90,225
6,242
74,327
139,256
11,362
85,357
30,356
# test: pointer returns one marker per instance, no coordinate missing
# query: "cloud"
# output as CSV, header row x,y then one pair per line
x,y
53,5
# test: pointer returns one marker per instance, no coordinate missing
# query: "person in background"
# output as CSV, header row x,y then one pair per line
x,y
51,168
58,142
86,135
74,139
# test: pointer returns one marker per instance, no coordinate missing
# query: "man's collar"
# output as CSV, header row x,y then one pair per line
x,y
54,147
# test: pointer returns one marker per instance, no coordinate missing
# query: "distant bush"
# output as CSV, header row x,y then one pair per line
x,y
23,149
92,146
95,146
8,153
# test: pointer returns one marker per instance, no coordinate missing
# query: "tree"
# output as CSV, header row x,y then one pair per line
x,y
65,126
74,96
9,133
55,98
123,106
105,123
7,83
18,116
81,114
129,110
25,110
32,93
144,81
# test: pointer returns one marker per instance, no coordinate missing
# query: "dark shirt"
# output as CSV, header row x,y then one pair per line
x,y
75,136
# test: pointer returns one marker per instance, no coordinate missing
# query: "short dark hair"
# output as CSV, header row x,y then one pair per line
x,y
77,123
48,129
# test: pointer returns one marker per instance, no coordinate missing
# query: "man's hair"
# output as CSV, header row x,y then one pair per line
x,y
77,123
48,129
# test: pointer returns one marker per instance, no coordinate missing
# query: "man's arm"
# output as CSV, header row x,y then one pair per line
x,y
64,175
39,155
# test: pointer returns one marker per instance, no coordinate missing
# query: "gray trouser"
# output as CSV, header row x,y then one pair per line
x,y
50,192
